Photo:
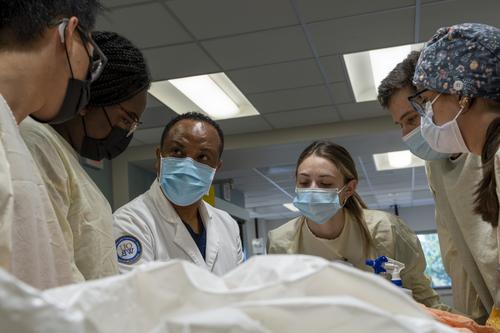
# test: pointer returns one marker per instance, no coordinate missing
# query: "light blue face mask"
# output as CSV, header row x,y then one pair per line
x,y
419,147
317,204
183,180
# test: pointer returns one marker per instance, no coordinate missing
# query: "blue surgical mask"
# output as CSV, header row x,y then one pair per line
x,y
183,180
317,204
419,147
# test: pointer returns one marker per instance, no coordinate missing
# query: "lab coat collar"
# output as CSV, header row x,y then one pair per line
x,y
182,237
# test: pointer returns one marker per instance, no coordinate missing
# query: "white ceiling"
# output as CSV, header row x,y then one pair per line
x,y
286,57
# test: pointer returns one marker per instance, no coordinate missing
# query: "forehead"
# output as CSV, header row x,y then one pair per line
x,y
137,103
194,131
399,104
317,164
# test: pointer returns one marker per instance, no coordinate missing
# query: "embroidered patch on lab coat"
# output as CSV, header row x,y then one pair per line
x,y
128,249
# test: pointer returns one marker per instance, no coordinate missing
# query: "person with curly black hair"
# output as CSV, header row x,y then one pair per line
x,y
101,130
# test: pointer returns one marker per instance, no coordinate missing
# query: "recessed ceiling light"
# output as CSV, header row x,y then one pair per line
x,y
212,94
291,207
397,160
377,62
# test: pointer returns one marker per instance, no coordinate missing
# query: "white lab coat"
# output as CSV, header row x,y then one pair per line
x,y
154,223
82,211
31,242
468,244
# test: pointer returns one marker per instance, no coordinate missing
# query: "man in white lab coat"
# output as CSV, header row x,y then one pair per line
x,y
170,220
468,244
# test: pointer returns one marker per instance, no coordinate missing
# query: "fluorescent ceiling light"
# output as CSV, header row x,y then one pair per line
x,y
212,94
376,62
291,207
397,160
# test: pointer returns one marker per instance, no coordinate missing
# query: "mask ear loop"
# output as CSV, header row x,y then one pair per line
x,y
84,126
338,193
462,103
107,117
62,33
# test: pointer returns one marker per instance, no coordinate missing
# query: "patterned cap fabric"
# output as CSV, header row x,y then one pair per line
x,y
462,60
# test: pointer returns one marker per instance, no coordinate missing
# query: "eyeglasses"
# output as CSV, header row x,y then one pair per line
x,y
135,123
98,59
417,105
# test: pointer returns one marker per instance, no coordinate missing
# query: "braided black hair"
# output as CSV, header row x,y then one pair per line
x,y
196,116
125,75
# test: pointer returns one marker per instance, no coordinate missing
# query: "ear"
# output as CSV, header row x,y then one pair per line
x,y
351,188
158,160
464,102
69,33
83,112
219,165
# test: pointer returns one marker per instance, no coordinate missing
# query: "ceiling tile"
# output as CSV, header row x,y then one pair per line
x,y
439,15
303,117
153,102
259,48
361,110
114,3
314,10
357,33
244,125
136,142
179,61
207,19
278,76
341,93
149,136
289,99
146,25
334,68
157,116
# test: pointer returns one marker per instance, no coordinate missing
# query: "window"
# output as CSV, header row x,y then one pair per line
x,y
435,268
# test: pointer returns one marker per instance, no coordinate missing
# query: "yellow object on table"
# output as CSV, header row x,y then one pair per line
x,y
494,319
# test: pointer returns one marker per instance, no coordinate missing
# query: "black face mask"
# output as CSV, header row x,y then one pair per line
x,y
109,147
76,98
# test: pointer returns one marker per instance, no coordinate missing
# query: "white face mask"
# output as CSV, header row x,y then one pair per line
x,y
445,138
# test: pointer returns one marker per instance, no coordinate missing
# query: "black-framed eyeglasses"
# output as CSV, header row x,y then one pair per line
x,y
416,102
135,124
98,59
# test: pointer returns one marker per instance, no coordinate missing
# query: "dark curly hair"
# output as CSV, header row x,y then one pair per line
x,y
400,77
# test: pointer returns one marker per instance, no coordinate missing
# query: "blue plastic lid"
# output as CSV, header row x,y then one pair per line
x,y
377,264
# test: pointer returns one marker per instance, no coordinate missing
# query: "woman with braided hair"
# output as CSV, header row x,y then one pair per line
x,y
102,130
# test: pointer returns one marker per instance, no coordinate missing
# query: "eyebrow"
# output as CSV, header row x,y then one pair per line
x,y
404,116
178,143
320,176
